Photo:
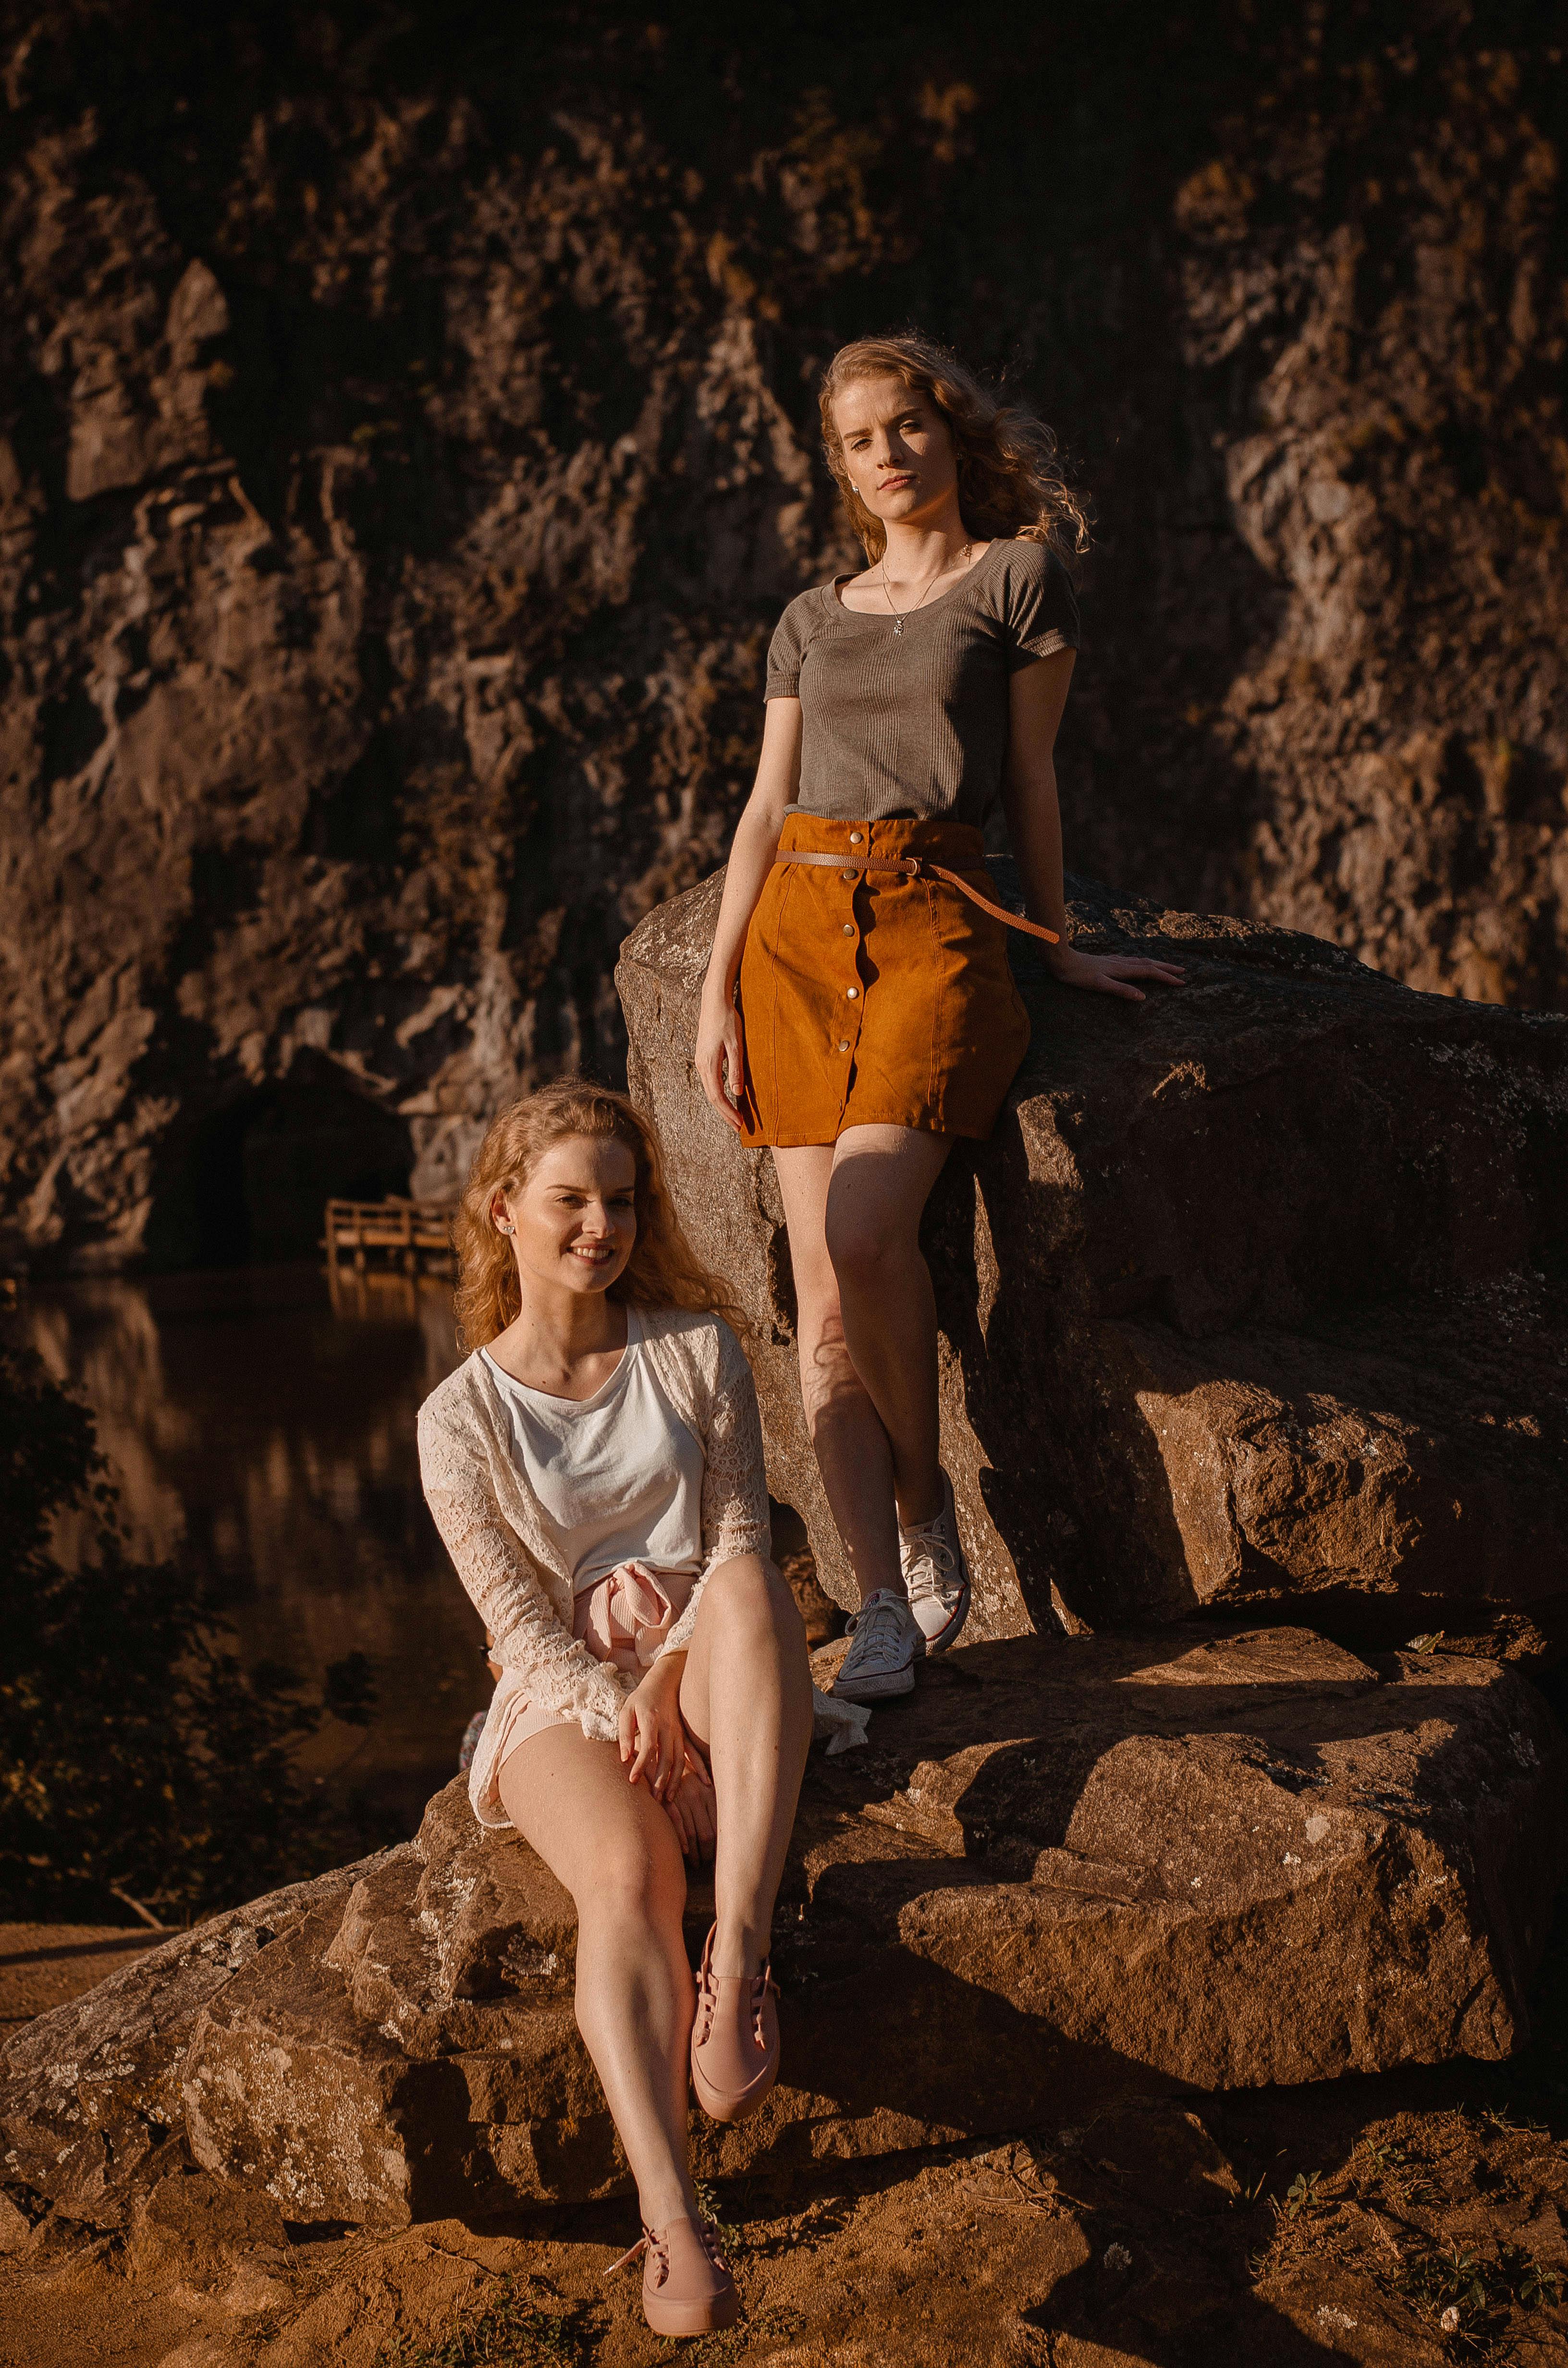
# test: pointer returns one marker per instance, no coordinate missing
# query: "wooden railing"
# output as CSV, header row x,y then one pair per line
x,y
409,1232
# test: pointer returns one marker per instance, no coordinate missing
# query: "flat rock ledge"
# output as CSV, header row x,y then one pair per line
x,y
1061,1871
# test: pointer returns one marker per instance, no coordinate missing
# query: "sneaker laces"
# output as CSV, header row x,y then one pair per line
x,y
756,1999
655,2244
877,1630
707,2237
708,1997
930,1560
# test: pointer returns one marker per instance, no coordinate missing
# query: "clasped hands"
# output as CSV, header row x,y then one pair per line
x,y
655,1749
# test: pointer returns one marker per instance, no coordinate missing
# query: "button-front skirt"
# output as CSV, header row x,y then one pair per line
x,y
869,999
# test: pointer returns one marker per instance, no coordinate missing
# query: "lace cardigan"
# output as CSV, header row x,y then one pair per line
x,y
490,1522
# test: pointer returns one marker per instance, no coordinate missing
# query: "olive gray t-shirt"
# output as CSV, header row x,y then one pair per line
x,y
916,722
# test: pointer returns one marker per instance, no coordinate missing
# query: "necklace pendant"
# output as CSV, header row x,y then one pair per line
x,y
898,625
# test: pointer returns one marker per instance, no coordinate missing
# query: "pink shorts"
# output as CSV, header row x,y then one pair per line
x,y
624,1619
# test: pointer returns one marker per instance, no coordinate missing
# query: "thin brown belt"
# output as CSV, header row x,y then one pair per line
x,y
918,866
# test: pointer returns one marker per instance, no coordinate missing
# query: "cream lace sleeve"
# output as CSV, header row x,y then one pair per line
x,y
505,1587
735,1486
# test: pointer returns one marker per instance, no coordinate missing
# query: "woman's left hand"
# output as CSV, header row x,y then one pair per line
x,y
650,1731
1111,974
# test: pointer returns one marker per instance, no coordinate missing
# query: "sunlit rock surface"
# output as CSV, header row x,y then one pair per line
x,y
1064,1869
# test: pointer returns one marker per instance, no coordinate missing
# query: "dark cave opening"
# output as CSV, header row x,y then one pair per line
x,y
257,1175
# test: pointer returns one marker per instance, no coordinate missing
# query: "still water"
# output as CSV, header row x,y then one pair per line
x,y
259,1425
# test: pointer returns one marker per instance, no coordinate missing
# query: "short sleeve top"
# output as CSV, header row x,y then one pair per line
x,y
617,1476
916,722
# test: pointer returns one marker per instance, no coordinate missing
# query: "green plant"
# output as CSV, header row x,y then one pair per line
x,y
1303,2194
732,2237
512,2328
1391,2167
1453,2285
776,2323
1467,2293
1536,2287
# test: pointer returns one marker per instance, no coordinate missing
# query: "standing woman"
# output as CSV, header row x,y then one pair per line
x,y
594,1469
858,1012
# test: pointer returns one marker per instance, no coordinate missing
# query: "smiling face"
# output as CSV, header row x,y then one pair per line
x,y
898,449
573,1219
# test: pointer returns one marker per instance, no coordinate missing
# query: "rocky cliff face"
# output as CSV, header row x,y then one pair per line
x,y
408,443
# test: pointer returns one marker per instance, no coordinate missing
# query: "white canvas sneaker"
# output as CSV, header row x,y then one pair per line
x,y
936,1575
880,1661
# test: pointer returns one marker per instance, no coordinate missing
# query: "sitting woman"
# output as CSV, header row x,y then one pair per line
x,y
595,1471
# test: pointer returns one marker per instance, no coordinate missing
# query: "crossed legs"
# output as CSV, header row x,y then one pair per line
x,y
867,1332
746,1697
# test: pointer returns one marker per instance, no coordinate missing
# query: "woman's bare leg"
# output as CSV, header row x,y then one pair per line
x,y
882,1178
867,1332
617,1852
746,1695
851,1445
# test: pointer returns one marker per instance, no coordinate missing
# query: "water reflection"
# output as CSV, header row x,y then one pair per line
x,y
261,1426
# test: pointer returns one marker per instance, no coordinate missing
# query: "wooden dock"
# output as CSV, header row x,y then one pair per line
x,y
408,1234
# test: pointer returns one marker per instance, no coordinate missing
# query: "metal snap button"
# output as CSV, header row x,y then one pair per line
x,y
849,875
849,929
844,1043
855,837
851,991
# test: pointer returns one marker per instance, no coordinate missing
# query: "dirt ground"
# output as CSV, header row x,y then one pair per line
x,y
1407,2220
45,1966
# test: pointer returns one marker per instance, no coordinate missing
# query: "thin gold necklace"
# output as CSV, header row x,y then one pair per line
x,y
900,614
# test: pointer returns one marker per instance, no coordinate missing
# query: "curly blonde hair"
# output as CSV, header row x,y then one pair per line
x,y
663,1270
1010,477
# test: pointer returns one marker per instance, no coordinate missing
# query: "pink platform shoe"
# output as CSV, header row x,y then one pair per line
x,y
734,2040
686,2286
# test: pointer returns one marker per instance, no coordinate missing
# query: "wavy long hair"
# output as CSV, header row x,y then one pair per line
x,y
663,1270
1010,475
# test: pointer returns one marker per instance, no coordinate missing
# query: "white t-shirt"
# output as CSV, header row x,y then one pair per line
x,y
617,1476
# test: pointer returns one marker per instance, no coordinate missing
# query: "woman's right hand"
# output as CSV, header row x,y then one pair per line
x,y
721,1055
693,1810
650,1732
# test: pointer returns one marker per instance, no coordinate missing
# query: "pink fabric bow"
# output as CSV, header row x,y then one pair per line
x,y
625,1616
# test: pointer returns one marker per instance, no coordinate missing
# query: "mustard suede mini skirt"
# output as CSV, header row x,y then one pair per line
x,y
873,999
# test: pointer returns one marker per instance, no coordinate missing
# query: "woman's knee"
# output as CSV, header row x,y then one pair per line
x,y
864,1242
748,1595
638,1878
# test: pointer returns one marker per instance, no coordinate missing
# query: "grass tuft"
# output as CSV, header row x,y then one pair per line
x,y
512,2328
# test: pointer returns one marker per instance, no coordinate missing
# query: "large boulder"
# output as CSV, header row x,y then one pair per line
x,y
1254,1301
90,2093
1062,1870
